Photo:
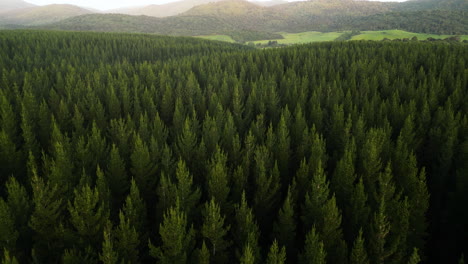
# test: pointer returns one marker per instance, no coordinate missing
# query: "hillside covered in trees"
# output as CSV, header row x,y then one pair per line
x,y
120,148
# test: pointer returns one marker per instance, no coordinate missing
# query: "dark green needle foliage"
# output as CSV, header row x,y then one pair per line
x,y
133,148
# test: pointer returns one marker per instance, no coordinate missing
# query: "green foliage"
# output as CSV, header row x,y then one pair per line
x,y
230,149
314,252
276,255
176,237
214,231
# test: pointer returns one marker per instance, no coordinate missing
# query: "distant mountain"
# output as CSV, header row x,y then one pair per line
x,y
8,5
247,21
165,10
42,14
424,5
270,3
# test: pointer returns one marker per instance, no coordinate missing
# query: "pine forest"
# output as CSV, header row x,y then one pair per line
x,y
134,148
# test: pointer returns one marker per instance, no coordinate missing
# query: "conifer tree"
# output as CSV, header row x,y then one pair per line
x,y
176,238
276,255
8,232
359,253
214,231
284,229
108,255
414,258
117,177
246,230
127,240
218,181
88,216
7,259
46,217
247,255
204,255
134,209
314,252
143,168
321,211
186,193
187,141
267,186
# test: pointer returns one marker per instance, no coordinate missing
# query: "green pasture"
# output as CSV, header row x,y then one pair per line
x,y
314,36
398,34
303,37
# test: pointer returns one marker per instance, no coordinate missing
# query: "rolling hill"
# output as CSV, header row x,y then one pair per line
x,y
247,21
42,14
8,5
165,10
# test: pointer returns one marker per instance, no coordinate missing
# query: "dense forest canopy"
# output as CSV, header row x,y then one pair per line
x,y
120,148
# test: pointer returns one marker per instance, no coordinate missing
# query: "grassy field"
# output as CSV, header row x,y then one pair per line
x,y
398,34
225,38
314,36
303,37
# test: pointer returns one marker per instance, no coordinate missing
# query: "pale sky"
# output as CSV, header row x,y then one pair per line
x,y
113,4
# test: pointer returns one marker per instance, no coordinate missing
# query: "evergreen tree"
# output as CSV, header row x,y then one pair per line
x,y
187,194
88,216
8,232
134,210
214,231
276,255
176,238
246,230
127,240
414,258
143,168
117,178
284,229
108,255
204,255
359,253
7,259
46,218
314,252
218,181
247,255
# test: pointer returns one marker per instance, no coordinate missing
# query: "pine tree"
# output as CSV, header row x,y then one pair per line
x,y
108,255
267,186
246,230
322,211
88,216
314,252
8,232
20,206
127,240
359,253
187,141
7,259
204,255
414,258
276,255
176,238
117,177
143,168
218,181
214,231
247,255
134,209
284,229
46,218
187,194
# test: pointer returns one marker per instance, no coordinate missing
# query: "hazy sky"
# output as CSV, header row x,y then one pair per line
x,y
112,4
